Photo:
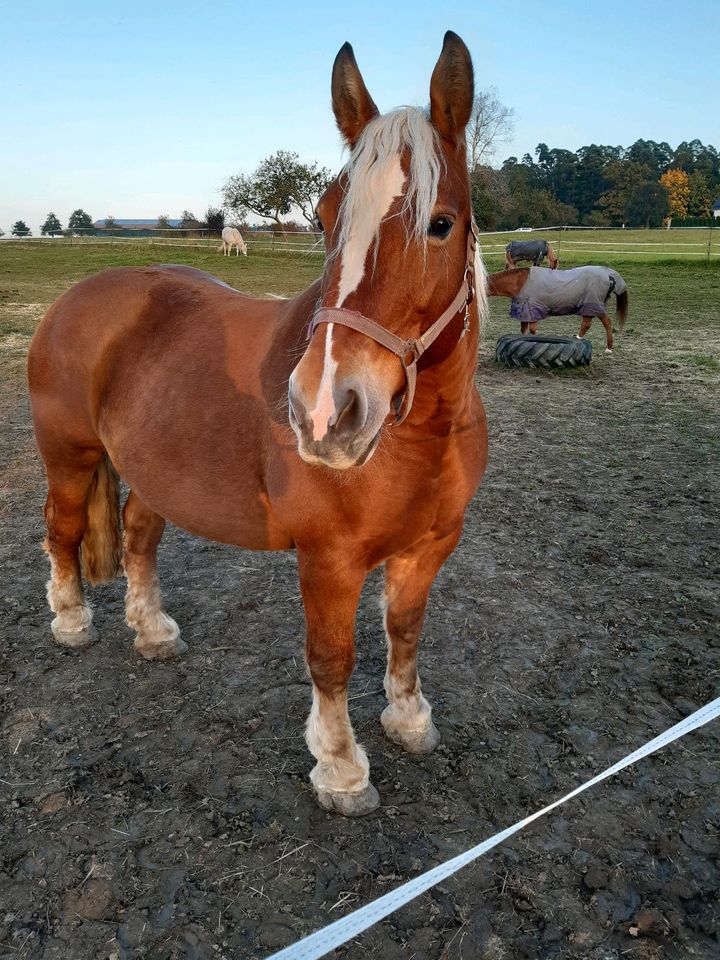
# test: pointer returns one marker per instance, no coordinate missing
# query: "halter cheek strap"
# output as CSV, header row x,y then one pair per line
x,y
409,351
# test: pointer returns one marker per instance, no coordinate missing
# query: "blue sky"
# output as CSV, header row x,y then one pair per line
x,y
141,108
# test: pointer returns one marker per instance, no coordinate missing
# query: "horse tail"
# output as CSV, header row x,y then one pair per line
x,y
621,307
101,548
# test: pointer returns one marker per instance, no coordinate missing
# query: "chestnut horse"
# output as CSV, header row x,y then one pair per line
x,y
344,423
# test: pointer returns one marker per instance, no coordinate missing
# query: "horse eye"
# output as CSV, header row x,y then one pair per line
x,y
318,224
440,227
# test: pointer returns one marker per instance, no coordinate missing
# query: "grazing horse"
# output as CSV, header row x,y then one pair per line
x,y
231,238
534,250
344,423
537,293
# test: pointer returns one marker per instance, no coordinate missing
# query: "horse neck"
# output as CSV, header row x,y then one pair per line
x,y
507,283
444,388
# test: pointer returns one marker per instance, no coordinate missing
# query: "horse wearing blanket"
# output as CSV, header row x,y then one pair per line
x,y
534,250
537,293
344,423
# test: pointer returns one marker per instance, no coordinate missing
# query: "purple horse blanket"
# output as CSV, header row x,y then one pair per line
x,y
582,290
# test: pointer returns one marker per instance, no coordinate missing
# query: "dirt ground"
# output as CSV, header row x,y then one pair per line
x,y
164,810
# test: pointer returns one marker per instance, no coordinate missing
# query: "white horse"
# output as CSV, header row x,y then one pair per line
x,y
231,238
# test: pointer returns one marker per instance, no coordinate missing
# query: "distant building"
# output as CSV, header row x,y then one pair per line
x,y
716,208
143,223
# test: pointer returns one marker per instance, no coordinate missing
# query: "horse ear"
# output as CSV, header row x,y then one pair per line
x,y
352,104
452,89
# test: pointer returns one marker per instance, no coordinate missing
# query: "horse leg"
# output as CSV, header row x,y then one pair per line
x,y
524,327
585,325
331,590
157,635
509,263
534,328
605,320
66,520
407,719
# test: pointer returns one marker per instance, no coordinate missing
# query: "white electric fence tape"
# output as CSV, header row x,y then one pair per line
x,y
320,943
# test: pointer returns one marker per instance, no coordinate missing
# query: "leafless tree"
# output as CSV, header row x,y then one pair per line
x,y
491,123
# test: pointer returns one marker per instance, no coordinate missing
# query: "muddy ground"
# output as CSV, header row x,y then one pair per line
x,y
164,811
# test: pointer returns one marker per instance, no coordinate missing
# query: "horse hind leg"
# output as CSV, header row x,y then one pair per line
x,y
81,509
605,320
157,635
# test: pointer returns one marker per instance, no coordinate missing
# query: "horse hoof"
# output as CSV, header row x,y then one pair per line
x,y
74,639
160,649
608,350
349,804
414,741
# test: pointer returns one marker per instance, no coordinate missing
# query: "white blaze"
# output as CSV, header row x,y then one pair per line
x,y
384,187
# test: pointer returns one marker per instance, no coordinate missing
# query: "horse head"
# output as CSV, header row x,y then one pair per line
x,y
397,224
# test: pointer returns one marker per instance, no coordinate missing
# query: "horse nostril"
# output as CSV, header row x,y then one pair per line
x,y
296,411
351,416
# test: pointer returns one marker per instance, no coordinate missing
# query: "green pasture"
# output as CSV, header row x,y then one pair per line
x,y
674,301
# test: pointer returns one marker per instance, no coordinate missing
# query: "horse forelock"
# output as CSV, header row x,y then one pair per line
x,y
374,159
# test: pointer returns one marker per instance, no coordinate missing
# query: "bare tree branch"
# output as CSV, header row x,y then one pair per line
x,y
491,123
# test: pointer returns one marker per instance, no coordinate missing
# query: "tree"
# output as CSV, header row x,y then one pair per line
x,y
51,226
676,184
647,205
311,182
280,182
111,223
699,196
625,176
215,219
188,221
20,229
538,208
490,196
163,222
79,220
491,123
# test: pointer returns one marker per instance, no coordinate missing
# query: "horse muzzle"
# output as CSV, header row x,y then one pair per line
x,y
341,435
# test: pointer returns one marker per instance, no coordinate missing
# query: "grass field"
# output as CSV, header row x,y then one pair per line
x,y
667,294
163,810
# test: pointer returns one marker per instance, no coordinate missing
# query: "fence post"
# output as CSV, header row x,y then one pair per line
x,y
710,232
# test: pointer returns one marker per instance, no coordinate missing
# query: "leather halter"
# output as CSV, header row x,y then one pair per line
x,y
409,351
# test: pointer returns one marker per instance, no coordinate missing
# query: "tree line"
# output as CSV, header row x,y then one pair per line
x,y
81,222
639,186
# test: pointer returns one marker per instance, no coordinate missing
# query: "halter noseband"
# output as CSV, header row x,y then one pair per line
x,y
409,351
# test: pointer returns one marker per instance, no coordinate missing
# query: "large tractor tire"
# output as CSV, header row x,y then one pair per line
x,y
550,353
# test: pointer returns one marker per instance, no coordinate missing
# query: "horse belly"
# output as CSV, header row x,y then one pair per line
x,y
225,505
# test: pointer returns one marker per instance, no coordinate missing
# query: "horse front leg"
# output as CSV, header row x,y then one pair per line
x,y
407,719
331,590
585,325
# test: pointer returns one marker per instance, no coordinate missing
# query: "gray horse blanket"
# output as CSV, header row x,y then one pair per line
x,y
583,290
535,250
